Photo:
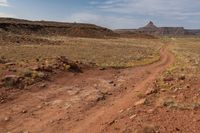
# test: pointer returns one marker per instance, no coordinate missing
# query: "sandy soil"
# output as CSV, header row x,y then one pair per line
x,y
90,102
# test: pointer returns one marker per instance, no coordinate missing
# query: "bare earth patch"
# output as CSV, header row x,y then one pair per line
x,y
158,92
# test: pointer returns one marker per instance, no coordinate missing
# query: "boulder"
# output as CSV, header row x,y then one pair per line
x,y
11,81
150,91
168,79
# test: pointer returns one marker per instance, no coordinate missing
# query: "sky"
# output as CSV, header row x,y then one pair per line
x,y
114,14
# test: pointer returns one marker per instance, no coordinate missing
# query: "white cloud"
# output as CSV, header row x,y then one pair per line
x,y
5,15
4,3
161,8
93,2
108,21
83,17
165,12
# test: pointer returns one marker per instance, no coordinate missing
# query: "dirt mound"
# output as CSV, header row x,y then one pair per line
x,y
46,28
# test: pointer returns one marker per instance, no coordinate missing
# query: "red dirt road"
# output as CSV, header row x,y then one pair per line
x,y
90,102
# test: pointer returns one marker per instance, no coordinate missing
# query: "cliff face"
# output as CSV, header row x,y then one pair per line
x,y
152,29
171,31
192,32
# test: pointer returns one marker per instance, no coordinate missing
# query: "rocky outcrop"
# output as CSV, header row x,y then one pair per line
x,y
192,32
152,29
171,31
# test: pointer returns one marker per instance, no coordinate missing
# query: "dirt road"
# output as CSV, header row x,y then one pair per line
x,y
90,102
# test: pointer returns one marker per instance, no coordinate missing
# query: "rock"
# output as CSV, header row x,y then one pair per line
x,y
182,77
10,77
3,60
39,106
24,111
111,82
102,68
2,101
151,111
73,66
59,119
168,103
163,90
177,129
121,111
28,73
151,91
101,97
44,68
51,121
43,85
12,69
140,102
127,131
11,81
42,75
112,122
174,96
128,109
67,105
35,67
196,120
168,79
7,119
176,89
148,129
10,64
46,103
132,116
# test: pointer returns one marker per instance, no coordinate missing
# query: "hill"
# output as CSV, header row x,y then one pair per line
x,y
47,28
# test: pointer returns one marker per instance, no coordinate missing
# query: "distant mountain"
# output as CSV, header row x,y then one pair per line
x,y
149,26
152,29
192,32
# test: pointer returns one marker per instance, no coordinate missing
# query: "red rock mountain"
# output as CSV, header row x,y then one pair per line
x,y
152,29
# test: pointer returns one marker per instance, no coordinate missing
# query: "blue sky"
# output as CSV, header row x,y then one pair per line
x,y
109,13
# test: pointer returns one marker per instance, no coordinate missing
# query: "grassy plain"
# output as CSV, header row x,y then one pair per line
x,y
180,83
104,52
